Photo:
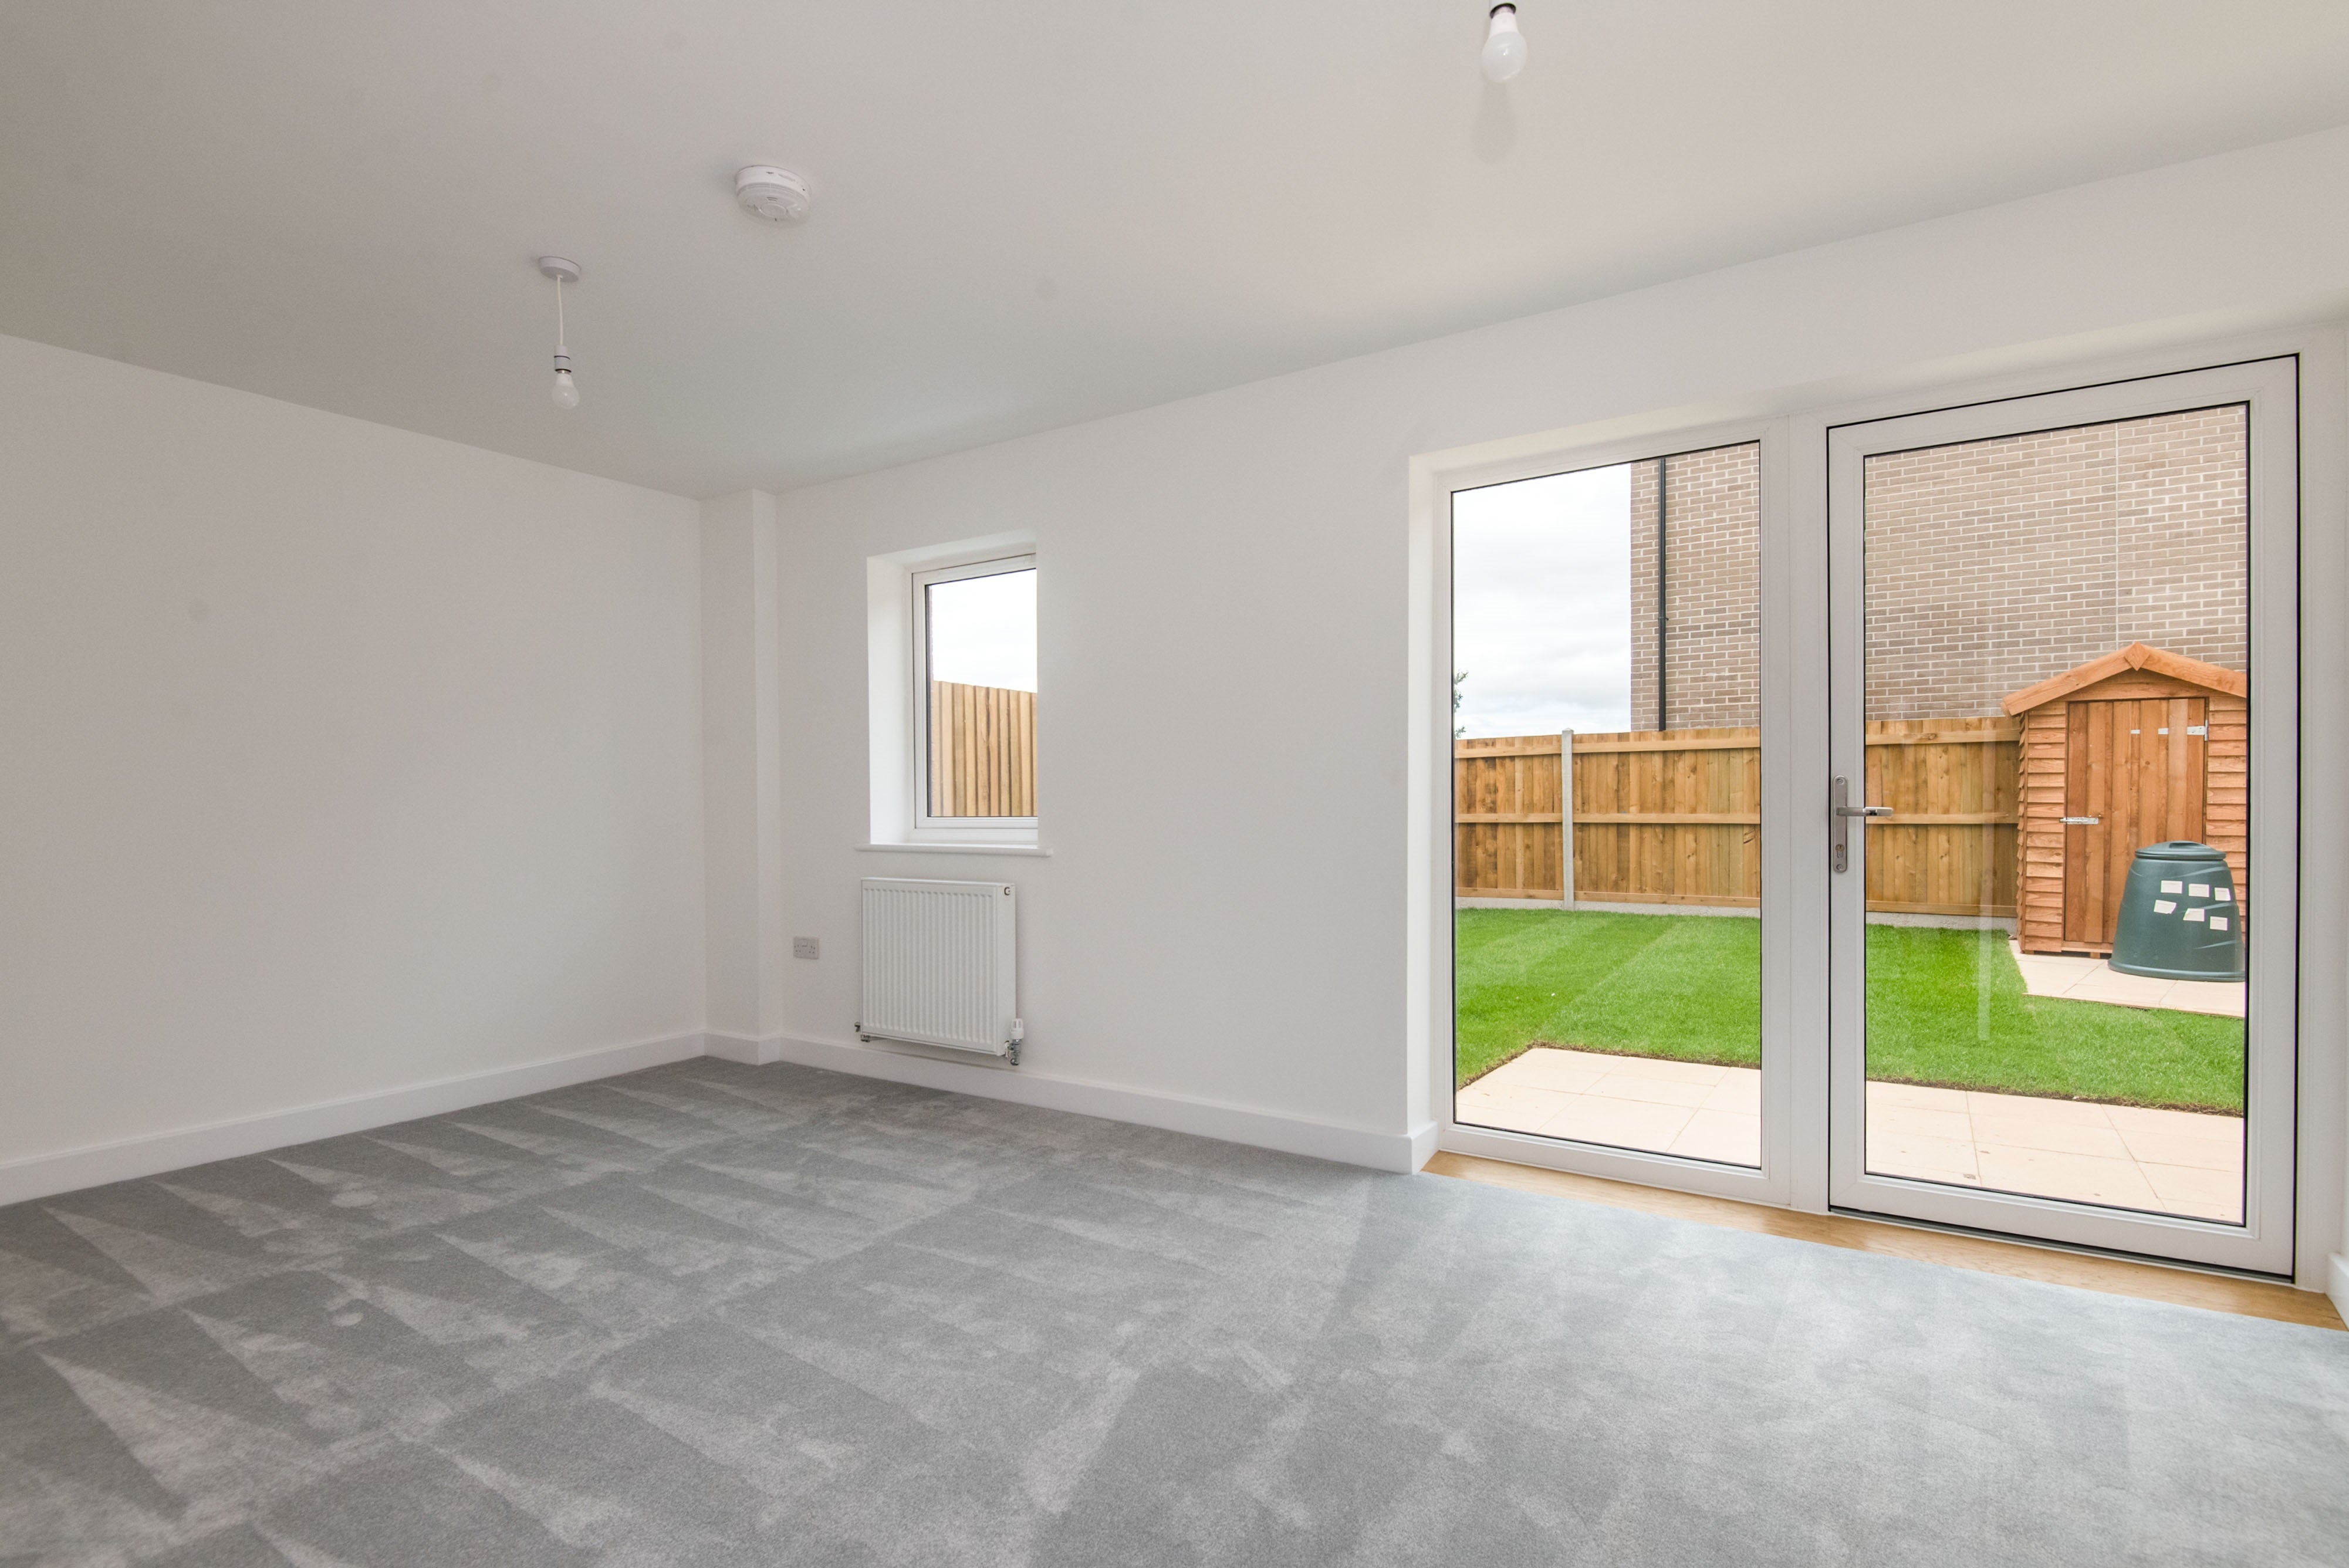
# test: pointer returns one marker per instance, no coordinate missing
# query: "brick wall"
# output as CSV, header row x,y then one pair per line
x,y
1712,561
1995,564
1991,565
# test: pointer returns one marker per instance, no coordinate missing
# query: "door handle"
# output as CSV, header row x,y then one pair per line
x,y
1840,811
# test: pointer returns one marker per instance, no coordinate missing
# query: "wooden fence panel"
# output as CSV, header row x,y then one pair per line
x,y
1673,816
1668,817
982,751
1505,805
1949,846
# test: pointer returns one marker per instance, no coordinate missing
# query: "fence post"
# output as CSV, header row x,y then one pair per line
x,y
1566,816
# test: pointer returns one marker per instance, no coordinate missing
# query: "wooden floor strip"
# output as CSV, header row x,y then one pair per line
x,y
2114,1276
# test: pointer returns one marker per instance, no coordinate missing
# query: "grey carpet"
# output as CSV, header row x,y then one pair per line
x,y
711,1314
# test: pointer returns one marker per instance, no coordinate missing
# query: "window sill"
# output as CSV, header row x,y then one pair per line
x,y
1036,849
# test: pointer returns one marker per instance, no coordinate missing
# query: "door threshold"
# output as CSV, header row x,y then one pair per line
x,y
2048,1264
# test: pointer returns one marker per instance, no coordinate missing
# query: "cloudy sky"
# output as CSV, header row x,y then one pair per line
x,y
983,630
1541,604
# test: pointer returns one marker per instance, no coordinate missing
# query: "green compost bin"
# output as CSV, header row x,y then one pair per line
x,y
2179,919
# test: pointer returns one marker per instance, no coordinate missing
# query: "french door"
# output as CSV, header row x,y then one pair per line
x,y
1937,854
1608,762
2061,789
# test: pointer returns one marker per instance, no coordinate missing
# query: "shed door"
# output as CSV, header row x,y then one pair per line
x,y
2133,776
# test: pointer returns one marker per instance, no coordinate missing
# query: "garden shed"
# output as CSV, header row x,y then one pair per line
x,y
2135,748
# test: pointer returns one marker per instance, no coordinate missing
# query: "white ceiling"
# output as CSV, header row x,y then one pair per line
x,y
1027,213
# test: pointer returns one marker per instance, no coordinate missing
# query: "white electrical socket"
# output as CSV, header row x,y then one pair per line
x,y
806,947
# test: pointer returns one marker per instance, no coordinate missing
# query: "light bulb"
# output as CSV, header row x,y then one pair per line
x,y
1505,46
565,394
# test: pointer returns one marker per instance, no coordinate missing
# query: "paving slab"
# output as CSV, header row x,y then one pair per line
x,y
2080,978
2129,1156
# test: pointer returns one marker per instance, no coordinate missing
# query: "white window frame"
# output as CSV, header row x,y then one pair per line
x,y
967,829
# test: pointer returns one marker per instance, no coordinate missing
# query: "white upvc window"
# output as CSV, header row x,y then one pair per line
x,y
974,700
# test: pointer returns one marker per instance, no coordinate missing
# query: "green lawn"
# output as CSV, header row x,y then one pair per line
x,y
1944,1007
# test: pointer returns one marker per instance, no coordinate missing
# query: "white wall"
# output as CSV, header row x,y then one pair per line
x,y
741,752
1223,681
333,760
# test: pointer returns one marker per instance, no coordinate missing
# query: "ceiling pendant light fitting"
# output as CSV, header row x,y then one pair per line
x,y
566,391
1505,46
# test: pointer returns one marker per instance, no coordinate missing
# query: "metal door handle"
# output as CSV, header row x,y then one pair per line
x,y
1840,811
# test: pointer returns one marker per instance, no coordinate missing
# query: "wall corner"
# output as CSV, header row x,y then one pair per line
x,y
742,763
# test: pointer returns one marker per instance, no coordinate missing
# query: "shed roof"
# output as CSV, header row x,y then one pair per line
x,y
2136,656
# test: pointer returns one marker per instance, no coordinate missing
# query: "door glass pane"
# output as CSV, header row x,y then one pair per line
x,y
2057,678
1607,792
980,648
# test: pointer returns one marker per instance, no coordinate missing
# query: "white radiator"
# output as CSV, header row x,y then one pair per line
x,y
939,965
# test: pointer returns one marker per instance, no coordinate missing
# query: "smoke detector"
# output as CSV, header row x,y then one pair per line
x,y
775,195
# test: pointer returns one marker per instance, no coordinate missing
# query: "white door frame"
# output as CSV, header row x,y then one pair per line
x,y
2264,1242
1794,669
1434,484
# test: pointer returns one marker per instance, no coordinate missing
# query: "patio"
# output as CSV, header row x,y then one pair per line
x,y
2129,1156
2093,980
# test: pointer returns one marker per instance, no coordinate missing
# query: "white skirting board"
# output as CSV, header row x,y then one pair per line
x,y
743,1048
2336,1284
68,1170
1204,1118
